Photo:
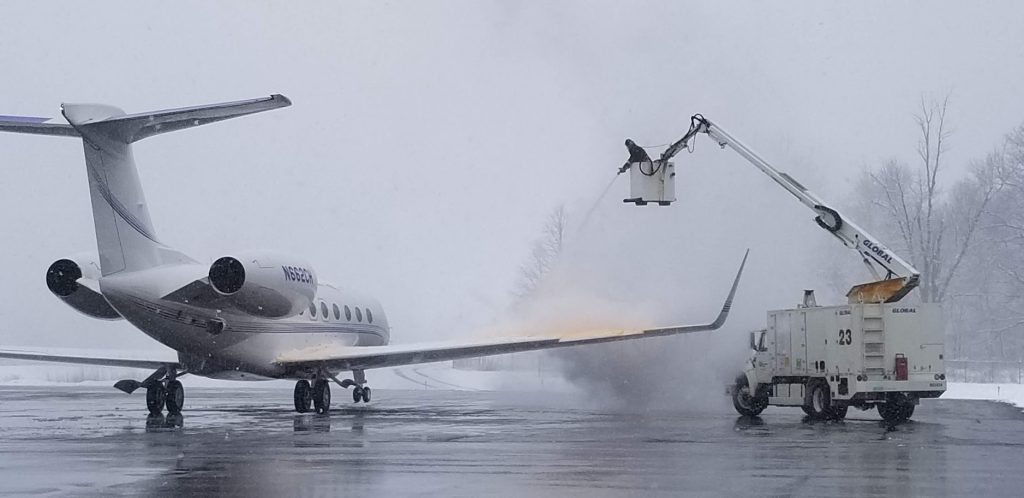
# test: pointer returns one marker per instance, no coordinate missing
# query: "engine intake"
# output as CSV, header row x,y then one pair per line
x,y
62,277
75,281
227,275
264,284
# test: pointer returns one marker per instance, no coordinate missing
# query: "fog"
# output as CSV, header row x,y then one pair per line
x,y
428,142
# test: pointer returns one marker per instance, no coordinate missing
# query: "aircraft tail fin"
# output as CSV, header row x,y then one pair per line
x,y
125,235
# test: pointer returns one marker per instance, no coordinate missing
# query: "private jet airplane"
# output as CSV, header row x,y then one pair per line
x,y
251,315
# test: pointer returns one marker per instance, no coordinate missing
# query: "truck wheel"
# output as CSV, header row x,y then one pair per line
x,y
908,412
819,401
895,412
839,411
745,402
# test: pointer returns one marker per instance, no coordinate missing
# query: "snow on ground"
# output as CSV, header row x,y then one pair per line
x,y
1007,393
433,376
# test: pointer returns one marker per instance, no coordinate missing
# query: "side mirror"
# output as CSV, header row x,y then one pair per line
x,y
757,340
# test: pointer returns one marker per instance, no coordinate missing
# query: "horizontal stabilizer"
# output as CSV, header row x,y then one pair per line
x,y
114,124
100,120
36,126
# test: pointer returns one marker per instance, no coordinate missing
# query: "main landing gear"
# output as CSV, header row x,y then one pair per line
x,y
163,389
318,394
170,394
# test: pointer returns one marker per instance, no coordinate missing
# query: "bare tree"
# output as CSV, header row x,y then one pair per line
x,y
993,299
544,254
936,229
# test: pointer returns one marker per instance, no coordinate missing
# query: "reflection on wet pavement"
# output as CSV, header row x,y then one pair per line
x,y
85,441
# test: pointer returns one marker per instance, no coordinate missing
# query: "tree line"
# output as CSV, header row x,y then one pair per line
x,y
964,232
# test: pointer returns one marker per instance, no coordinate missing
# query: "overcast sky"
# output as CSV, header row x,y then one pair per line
x,y
428,140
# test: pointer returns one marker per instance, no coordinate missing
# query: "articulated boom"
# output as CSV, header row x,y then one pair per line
x,y
900,276
868,353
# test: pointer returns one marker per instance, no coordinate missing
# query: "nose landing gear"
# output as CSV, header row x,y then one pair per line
x,y
361,393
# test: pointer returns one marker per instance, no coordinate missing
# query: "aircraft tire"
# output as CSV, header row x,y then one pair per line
x,y
321,396
357,394
155,399
174,397
303,396
366,395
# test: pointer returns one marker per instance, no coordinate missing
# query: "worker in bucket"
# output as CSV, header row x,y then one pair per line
x,y
636,155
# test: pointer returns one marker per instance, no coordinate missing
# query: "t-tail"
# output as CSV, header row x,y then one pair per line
x,y
125,235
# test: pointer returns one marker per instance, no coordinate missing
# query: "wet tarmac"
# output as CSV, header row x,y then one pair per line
x,y
248,442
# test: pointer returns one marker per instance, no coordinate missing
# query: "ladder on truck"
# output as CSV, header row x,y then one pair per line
x,y
873,330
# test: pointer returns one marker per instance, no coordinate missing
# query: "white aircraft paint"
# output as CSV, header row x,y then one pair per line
x,y
249,316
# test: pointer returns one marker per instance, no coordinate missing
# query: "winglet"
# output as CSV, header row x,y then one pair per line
x,y
722,315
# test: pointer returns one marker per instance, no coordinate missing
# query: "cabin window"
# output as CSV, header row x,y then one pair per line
x,y
312,310
348,313
337,313
359,314
323,310
369,315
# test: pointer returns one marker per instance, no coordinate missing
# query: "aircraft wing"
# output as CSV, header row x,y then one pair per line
x,y
366,357
83,360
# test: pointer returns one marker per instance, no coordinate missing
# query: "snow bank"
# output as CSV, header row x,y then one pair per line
x,y
1006,393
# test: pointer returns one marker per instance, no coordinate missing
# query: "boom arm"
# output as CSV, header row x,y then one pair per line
x,y
900,276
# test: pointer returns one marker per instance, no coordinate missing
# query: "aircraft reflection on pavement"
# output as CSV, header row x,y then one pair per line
x,y
162,423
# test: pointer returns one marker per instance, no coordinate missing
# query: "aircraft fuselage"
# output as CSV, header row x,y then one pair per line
x,y
246,346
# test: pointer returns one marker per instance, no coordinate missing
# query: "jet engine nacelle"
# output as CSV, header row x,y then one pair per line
x,y
264,284
75,281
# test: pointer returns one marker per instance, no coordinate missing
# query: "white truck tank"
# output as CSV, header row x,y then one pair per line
x,y
827,359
